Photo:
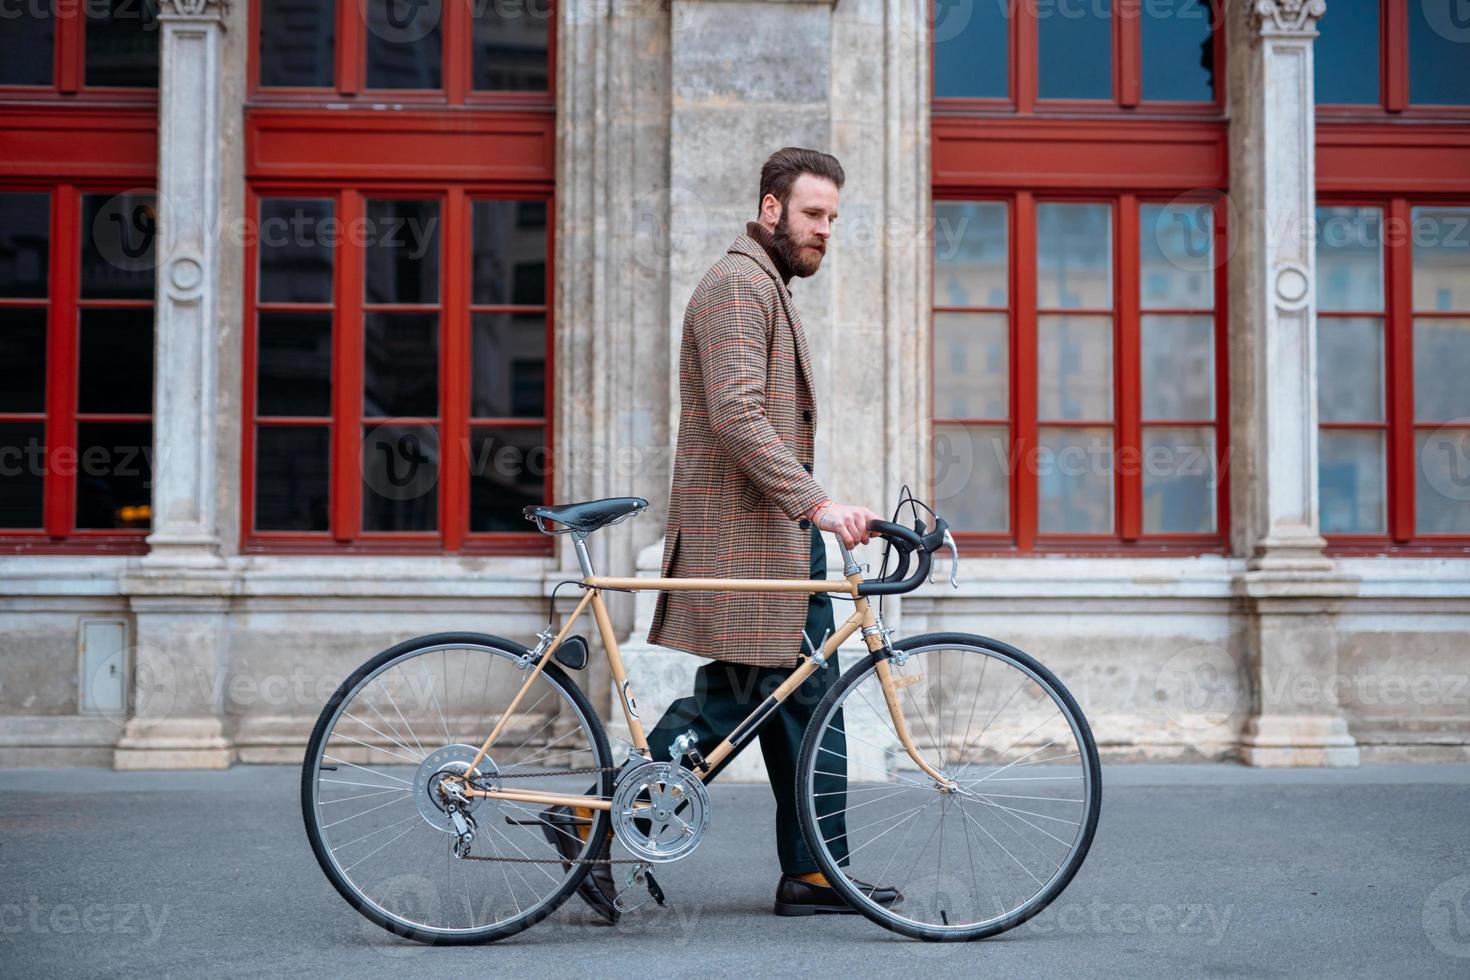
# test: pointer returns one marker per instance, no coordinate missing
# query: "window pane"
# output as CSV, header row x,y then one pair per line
x,y
22,360
972,476
22,469
1442,482
291,478
402,262
122,43
400,478
1442,259
114,474
118,234
1178,52
1345,55
1074,256
970,254
1349,259
26,45
1075,50
295,250
400,365
294,364
1350,369
24,244
507,473
1074,360
1441,370
971,366
1438,34
1178,354
1350,482
1176,246
508,373
1178,480
403,45
510,45
1074,477
115,361
971,49
297,43
510,253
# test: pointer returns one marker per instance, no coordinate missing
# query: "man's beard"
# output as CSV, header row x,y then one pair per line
x,y
801,261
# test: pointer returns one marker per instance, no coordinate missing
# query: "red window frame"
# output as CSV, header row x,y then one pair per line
x,y
455,145
1393,75
1399,424
1127,68
1127,423
68,65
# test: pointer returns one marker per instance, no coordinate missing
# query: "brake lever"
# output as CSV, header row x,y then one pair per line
x,y
954,561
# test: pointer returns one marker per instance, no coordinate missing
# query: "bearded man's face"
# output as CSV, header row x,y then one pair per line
x,y
805,224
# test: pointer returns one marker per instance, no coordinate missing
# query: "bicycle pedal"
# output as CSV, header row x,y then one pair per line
x,y
653,888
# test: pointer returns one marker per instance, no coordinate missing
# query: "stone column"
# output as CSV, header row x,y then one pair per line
x,y
179,591
1290,587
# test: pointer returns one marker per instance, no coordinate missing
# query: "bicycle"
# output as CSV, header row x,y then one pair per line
x,y
426,787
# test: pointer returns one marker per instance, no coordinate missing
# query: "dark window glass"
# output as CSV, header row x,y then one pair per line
x,y
507,473
1439,53
26,44
510,252
118,233
22,468
122,43
1345,56
971,49
115,362
24,244
402,252
1075,50
297,43
22,360
294,362
114,474
403,46
1178,52
295,251
291,478
510,45
400,478
508,371
400,365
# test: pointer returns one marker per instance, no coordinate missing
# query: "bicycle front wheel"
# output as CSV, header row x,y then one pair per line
x,y
394,730
970,861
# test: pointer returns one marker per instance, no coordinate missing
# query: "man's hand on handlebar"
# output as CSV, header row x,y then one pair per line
x,y
848,521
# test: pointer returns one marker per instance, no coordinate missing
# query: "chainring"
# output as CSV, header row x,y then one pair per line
x,y
660,812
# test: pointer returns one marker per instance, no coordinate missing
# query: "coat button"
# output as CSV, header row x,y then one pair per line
x,y
804,524
807,467
806,415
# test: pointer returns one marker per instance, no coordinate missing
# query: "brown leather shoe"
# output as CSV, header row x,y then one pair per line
x,y
796,896
566,833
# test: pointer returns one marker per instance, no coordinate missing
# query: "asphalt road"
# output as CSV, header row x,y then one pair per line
x,y
1197,871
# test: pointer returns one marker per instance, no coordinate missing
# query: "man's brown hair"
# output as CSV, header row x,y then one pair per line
x,y
789,163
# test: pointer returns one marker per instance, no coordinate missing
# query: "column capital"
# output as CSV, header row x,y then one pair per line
x,y
215,11
1288,18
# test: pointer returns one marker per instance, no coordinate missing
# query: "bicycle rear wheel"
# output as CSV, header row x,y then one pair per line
x,y
379,830
971,862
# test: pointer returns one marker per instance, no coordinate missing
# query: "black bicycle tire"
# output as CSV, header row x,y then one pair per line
x,y
806,760
600,826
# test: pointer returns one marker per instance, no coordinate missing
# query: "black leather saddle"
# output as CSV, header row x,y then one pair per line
x,y
586,516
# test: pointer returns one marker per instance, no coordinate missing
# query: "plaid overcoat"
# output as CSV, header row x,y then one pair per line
x,y
742,476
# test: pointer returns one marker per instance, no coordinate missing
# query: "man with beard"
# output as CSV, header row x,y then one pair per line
x,y
745,504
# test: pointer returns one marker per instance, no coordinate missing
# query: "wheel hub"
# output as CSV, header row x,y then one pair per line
x,y
429,790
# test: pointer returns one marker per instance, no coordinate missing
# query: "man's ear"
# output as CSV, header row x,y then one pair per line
x,y
770,210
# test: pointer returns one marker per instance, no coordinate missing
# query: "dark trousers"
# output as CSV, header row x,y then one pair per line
x,y
725,693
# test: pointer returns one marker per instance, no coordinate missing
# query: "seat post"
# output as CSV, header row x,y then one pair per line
x,y
579,541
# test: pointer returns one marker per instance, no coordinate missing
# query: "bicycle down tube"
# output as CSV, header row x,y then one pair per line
x,y
862,616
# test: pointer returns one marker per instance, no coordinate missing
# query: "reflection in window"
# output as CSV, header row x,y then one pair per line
x,y
1178,51
971,49
1439,32
297,43
122,43
1074,50
26,45
1345,55
404,49
510,41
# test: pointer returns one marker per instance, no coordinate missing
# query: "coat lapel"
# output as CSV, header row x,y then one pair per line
x,y
750,248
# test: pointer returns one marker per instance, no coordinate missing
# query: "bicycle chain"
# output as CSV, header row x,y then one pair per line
x,y
591,770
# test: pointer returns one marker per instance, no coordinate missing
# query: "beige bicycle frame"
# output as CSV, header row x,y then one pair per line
x,y
863,616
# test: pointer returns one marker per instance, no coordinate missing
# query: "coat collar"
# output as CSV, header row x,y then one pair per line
x,y
750,248
753,250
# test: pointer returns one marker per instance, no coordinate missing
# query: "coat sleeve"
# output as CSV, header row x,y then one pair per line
x,y
730,330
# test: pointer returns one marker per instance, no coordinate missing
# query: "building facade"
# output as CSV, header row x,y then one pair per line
x,y
1165,305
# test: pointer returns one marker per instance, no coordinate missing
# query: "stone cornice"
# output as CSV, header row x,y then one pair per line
x,y
207,10
1285,17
